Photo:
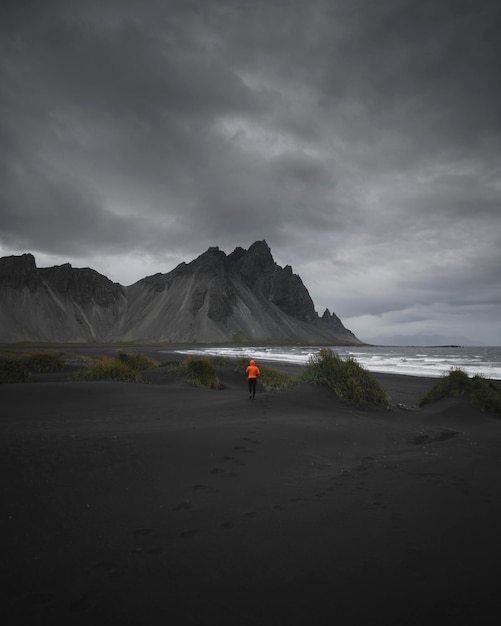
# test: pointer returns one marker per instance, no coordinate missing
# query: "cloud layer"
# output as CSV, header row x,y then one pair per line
x,y
360,139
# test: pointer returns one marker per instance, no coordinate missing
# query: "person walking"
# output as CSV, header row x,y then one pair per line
x,y
252,372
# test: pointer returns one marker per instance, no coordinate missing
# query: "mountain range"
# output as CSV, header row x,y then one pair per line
x,y
243,297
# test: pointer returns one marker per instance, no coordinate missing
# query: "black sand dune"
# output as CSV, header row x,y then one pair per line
x,y
166,504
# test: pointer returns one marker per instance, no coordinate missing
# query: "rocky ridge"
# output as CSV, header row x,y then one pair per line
x,y
216,298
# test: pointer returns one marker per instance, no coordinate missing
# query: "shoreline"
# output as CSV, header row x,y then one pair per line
x,y
176,352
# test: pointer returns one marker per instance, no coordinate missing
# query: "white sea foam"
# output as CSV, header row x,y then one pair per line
x,y
431,362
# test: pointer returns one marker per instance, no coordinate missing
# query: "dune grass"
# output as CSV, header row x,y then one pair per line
x,y
200,371
347,378
125,367
482,393
270,378
44,361
136,360
16,367
106,368
13,371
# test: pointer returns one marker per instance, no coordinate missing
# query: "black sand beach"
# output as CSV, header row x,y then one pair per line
x,y
167,504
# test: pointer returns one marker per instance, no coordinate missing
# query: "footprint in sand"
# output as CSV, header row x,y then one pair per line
x,y
188,534
244,449
40,599
183,506
107,567
412,547
81,604
232,460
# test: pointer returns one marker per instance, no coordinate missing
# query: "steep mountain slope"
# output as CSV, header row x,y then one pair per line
x,y
242,297
56,304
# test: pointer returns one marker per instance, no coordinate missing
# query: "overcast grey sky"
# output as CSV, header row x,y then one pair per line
x,y
361,139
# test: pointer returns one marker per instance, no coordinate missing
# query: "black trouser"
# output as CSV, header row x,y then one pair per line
x,y
252,386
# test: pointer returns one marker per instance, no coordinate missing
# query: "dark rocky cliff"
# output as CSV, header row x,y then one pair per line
x,y
241,297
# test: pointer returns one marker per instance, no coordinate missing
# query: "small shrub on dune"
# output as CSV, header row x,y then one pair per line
x,y
137,360
15,367
44,361
347,378
272,378
485,395
241,364
13,371
481,392
454,385
221,359
111,369
200,371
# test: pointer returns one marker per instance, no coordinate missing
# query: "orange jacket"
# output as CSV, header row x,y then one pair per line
x,y
252,370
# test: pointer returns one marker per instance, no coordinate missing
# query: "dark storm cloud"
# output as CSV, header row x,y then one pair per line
x,y
361,139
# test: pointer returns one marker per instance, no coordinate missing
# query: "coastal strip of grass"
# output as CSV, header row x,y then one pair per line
x,y
16,367
107,368
481,393
347,378
124,367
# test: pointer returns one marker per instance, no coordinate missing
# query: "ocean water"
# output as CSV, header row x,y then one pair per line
x,y
412,361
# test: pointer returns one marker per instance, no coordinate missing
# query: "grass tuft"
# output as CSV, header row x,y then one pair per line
x,y
13,371
347,378
200,371
136,360
15,367
108,368
44,361
271,378
482,393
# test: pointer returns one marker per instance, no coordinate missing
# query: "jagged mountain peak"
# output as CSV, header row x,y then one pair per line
x,y
244,296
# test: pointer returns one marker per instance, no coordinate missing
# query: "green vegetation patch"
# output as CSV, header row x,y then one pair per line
x,y
347,378
221,359
13,370
200,371
109,368
136,360
44,361
15,367
270,378
482,393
